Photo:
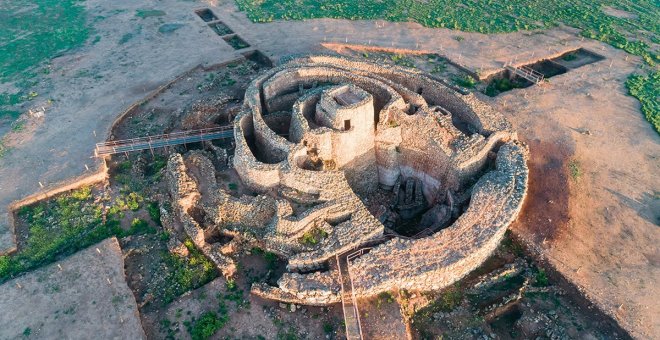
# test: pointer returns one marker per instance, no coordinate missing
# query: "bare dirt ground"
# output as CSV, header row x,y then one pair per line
x,y
584,132
83,295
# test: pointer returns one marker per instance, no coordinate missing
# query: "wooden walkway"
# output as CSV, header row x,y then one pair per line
x,y
160,141
351,313
527,73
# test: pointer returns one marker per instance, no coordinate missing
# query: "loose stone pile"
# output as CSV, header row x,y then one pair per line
x,y
317,137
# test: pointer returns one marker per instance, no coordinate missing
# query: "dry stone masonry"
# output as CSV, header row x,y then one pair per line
x,y
357,155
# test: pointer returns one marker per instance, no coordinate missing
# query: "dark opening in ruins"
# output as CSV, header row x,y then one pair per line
x,y
235,41
206,14
198,214
220,28
347,98
259,58
463,126
548,68
347,124
213,235
279,122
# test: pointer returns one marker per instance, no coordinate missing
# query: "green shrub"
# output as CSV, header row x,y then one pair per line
x,y
328,328
466,81
541,278
133,201
154,212
207,325
184,273
139,226
82,194
575,169
313,236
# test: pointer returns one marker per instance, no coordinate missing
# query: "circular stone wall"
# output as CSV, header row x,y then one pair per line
x,y
359,132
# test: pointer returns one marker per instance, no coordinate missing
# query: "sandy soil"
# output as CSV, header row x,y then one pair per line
x,y
604,238
72,299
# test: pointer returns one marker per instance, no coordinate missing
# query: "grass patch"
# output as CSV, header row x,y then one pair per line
x,y
18,126
148,13
313,236
207,324
465,81
449,299
446,301
646,88
384,298
498,86
154,212
31,33
541,278
184,273
64,225
3,149
574,169
402,60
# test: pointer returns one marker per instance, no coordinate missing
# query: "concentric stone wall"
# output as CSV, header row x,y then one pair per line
x,y
355,126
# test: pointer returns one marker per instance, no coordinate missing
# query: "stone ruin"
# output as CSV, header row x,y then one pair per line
x,y
421,177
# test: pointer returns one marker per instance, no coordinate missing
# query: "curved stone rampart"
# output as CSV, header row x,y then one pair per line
x,y
355,126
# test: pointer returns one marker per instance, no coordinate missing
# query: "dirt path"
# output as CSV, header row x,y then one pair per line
x,y
608,243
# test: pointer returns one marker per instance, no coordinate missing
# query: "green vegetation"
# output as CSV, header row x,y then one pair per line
x,y
384,298
449,299
221,29
66,224
541,278
498,86
184,273
237,43
313,236
154,212
18,126
207,324
270,258
3,149
634,34
574,169
328,328
402,60
465,81
31,33
147,13
647,90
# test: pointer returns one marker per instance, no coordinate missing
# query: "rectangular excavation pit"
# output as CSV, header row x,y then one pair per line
x,y
258,57
206,14
505,80
235,41
220,28
578,58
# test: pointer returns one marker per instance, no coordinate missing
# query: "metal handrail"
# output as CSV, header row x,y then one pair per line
x,y
164,136
157,141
